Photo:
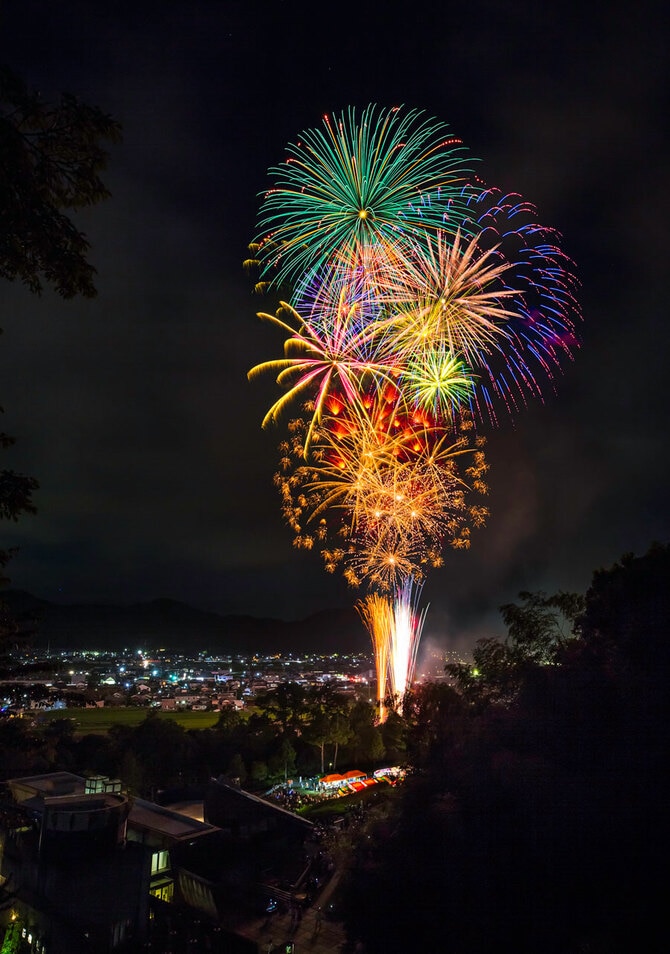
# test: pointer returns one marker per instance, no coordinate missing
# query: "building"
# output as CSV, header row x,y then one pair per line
x,y
86,868
72,881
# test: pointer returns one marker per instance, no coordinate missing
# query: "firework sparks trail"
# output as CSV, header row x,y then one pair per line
x,y
422,302
395,626
407,626
377,614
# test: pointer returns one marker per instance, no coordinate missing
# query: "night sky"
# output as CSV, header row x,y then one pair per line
x,y
134,411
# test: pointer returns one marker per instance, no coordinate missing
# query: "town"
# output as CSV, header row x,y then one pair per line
x,y
225,843
173,681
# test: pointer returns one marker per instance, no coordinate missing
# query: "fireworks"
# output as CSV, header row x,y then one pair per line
x,y
422,302
395,627
382,491
360,182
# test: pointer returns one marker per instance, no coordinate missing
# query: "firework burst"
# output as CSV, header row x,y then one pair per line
x,y
381,497
421,303
383,176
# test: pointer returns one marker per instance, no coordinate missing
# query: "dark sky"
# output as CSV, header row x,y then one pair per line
x,y
134,411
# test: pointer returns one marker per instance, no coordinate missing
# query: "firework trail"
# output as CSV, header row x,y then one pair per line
x,y
422,303
395,627
377,614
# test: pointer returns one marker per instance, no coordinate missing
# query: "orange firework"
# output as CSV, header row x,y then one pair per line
x,y
390,490
376,613
395,628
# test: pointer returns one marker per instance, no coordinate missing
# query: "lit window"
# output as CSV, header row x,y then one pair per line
x,y
159,861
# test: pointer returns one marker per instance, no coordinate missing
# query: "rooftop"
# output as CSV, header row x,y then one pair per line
x,y
154,818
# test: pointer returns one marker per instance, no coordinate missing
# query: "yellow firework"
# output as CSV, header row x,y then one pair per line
x,y
452,296
438,381
394,625
321,357
377,615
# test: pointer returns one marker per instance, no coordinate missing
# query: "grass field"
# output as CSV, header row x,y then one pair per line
x,y
101,720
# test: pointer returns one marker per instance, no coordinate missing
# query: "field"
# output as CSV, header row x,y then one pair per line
x,y
101,720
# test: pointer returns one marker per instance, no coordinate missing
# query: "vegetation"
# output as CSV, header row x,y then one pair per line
x,y
291,731
533,817
51,157
106,717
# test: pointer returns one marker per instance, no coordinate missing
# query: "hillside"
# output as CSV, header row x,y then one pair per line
x,y
174,625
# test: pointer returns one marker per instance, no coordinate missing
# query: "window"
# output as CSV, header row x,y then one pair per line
x,y
160,861
165,892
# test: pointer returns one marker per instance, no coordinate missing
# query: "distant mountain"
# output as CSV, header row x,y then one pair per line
x,y
174,625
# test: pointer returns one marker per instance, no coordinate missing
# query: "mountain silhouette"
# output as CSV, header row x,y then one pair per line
x,y
170,624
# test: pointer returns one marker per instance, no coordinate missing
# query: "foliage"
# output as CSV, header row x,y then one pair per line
x,y
16,492
51,157
434,715
537,825
394,737
152,749
237,769
539,629
541,625
627,610
285,705
282,761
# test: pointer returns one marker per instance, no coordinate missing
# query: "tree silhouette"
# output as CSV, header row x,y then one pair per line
x,y
539,628
536,822
16,492
51,157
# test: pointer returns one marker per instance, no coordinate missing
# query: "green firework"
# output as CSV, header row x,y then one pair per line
x,y
386,177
